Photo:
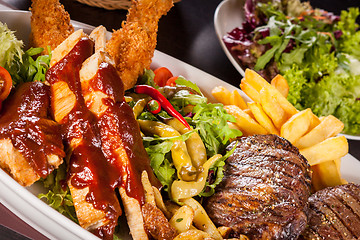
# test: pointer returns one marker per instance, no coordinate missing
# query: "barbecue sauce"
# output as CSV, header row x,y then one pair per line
x,y
26,122
88,166
93,162
119,129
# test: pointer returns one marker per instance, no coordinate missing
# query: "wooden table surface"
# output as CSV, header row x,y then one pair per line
x,y
186,33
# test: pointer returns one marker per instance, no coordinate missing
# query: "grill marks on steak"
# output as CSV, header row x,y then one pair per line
x,y
264,191
334,213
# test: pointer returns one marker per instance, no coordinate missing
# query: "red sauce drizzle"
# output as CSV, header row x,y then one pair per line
x,y
25,120
119,129
95,163
88,166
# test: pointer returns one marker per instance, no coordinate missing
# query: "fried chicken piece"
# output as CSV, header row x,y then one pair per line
x,y
121,141
30,142
133,46
50,24
91,186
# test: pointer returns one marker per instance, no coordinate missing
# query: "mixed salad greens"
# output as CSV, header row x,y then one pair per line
x,y
316,51
209,121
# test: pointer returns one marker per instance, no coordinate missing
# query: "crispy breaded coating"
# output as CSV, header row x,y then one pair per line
x,y
50,24
133,46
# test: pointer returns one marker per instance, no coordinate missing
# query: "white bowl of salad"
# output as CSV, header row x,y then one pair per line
x,y
315,50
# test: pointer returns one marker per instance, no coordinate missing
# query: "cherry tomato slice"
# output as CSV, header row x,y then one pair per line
x,y
171,82
5,83
162,74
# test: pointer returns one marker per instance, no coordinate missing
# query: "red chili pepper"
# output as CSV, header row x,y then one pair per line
x,y
154,106
165,104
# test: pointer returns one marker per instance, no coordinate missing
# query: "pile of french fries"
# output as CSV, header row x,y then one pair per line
x,y
271,113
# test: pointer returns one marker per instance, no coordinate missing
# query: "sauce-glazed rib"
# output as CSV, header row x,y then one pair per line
x,y
92,179
120,134
264,191
30,142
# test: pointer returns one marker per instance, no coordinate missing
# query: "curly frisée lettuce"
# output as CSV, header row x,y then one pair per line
x,y
10,47
23,66
58,195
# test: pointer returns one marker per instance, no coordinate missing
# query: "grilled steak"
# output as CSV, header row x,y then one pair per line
x,y
264,191
334,213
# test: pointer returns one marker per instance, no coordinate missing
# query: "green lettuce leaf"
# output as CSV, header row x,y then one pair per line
x,y
10,47
211,121
58,195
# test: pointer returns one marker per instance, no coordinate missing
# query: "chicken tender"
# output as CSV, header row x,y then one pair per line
x,y
133,46
50,24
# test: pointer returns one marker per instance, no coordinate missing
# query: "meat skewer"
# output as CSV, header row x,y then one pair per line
x,y
95,200
120,134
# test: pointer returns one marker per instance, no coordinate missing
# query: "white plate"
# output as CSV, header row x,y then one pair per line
x,y
351,137
228,15
23,201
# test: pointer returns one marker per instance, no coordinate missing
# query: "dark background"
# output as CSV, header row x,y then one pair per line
x,y
186,33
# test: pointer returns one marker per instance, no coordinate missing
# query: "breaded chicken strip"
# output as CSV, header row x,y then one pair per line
x,y
50,24
133,46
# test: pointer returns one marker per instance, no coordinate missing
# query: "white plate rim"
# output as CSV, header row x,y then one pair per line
x,y
24,203
223,26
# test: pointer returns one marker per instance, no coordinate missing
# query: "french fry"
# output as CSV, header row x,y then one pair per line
x,y
222,95
247,124
253,83
255,80
250,91
272,108
329,149
249,112
280,83
297,126
182,219
329,126
284,103
262,118
325,174
236,99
